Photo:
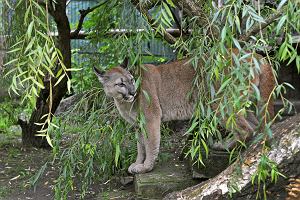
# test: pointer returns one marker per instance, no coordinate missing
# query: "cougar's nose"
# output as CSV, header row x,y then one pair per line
x,y
132,93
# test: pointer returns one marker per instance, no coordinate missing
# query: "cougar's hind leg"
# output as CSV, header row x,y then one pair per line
x,y
266,86
252,120
244,131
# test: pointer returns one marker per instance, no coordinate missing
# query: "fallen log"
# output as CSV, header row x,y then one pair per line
x,y
284,151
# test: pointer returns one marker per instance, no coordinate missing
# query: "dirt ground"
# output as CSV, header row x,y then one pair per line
x,y
18,165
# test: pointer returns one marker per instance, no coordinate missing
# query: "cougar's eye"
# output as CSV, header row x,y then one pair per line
x,y
120,84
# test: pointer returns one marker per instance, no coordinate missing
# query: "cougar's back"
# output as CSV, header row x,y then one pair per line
x,y
173,84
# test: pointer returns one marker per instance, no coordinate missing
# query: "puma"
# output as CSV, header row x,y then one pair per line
x,y
168,86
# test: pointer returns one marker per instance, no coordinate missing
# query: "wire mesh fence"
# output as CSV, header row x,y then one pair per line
x,y
83,47
5,13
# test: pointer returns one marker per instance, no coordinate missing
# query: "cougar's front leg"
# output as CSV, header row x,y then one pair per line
x,y
152,113
141,153
152,143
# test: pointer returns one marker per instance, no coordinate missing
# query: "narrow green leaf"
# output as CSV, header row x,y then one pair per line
x,y
117,154
224,84
49,140
223,33
298,63
238,23
38,174
170,2
282,2
168,10
14,50
69,85
10,62
60,78
192,127
37,83
29,29
74,69
257,92
59,73
205,147
280,24
146,95
236,43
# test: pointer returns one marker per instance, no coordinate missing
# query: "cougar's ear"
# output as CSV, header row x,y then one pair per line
x,y
100,75
124,64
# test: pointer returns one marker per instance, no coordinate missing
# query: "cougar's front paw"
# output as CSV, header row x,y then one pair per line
x,y
131,167
139,168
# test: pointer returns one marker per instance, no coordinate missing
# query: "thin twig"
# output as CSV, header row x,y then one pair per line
x,y
47,6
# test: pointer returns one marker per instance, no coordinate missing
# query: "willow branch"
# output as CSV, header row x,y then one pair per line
x,y
246,37
83,14
168,37
128,32
194,9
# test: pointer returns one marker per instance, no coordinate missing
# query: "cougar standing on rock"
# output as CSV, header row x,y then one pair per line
x,y
168,86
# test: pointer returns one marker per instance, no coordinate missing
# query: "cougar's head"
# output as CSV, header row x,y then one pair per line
x,y
118,82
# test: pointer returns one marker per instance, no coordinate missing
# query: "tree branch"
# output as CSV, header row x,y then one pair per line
x,y
128,32
246,37
168,37
83,14
192,9
284,151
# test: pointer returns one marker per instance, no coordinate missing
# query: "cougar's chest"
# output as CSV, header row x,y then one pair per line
x,y
127,111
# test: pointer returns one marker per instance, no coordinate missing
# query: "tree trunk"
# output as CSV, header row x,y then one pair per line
x,y
285,151
29,129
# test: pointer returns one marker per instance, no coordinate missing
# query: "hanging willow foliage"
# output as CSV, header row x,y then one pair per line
x,y
208,33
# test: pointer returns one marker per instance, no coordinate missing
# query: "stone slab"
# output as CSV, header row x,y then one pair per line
x,y
165,178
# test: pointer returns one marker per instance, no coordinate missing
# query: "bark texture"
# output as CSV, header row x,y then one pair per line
x,y
285,151
43,103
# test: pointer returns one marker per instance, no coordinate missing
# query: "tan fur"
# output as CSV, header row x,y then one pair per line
x,y
168,86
